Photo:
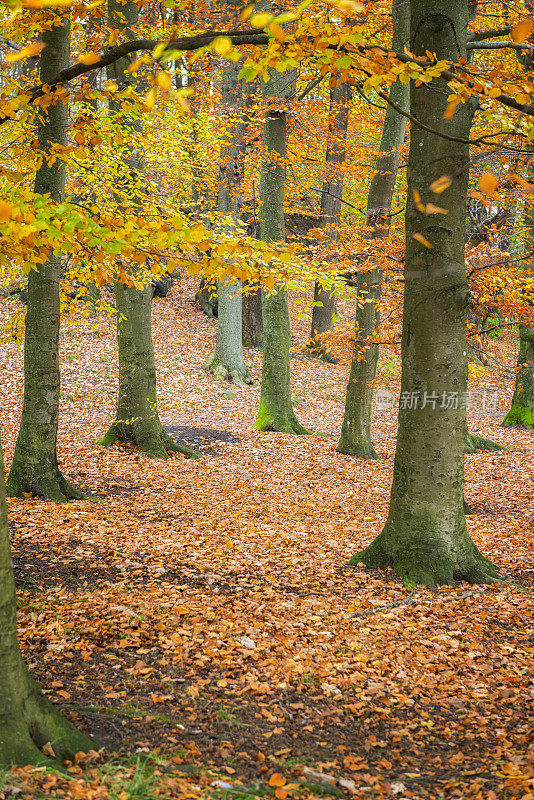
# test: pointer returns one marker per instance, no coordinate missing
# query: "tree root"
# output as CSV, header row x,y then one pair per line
x,y
425,561
227,374
363,450
50,486
280,423
519,416
475,443
149,437
33,723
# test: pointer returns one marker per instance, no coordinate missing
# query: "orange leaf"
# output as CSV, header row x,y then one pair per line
x,y
522,31
438,186
488,183
6,209
421,239
277,779
281,793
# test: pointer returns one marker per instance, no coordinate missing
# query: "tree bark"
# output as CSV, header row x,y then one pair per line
x,y
425,538
35,466
355,437
252,319
137,420
521,411
276,409
323,312
28,720
227,361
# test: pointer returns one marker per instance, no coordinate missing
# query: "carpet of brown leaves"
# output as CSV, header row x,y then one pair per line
x,y
202,611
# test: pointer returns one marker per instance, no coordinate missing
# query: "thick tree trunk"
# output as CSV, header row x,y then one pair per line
x,y
355,437
137,420
425,537
276,409
35,466
323,312
27,719
227,361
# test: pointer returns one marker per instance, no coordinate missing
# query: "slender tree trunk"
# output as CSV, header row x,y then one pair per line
x,y
355,437
425,537
35,467
324,300
522,409
252,331
276,409
28,720
137,420
227,361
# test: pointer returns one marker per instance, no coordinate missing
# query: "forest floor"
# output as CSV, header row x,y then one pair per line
x,y
199,617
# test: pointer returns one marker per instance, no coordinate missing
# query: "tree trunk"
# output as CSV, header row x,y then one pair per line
x,y
425,537
522,409
252,319
355,437
137,420
27,719
276,409
227,361
35,467
323,313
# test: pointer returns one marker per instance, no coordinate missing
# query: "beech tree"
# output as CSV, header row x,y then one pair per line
x,y
425,537
276,409
28,720
355,437
522,407
35,465
331,196
137,419
227,361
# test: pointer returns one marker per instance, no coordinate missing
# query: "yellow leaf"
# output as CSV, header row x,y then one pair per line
x,y
350,6
222,45
421,239
150,99
260,20
438,186
245,14
277,31
522,31
488,183
164,81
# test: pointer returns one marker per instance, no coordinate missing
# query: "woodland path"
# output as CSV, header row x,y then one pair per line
x,y
201,612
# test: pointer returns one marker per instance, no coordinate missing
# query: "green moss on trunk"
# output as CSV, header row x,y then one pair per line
x,y
425,538
27,719
35,467
276,408
356,429
137,421
521,411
